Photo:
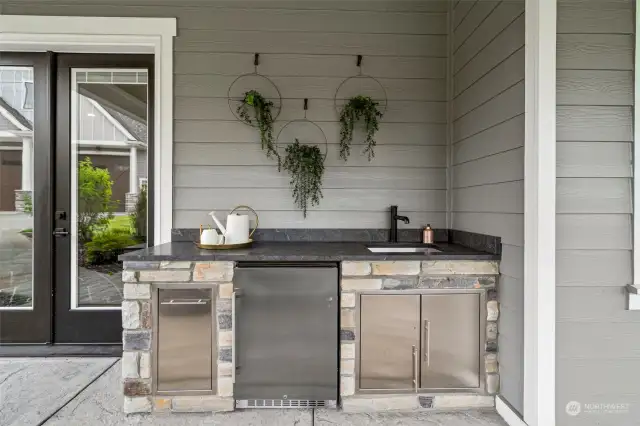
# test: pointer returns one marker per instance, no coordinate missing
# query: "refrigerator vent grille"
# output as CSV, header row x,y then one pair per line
x,y
283,403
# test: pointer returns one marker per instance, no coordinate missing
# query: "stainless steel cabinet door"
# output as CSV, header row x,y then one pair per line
x,y
389,339
185,340
450,341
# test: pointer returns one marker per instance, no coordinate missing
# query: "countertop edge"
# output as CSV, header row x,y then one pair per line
x,y
188,252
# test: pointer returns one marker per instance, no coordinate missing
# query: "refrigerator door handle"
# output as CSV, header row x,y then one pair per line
x,y
234,356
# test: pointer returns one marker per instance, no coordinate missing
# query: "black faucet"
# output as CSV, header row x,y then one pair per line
x,y
393,231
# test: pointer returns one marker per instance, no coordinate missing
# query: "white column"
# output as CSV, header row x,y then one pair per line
x,y
27,163
540,214
133,170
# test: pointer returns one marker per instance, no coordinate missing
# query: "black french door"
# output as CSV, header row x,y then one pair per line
x,y
80,194
26,197
103,107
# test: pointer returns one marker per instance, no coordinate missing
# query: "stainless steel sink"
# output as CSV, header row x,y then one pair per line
x,y
425,250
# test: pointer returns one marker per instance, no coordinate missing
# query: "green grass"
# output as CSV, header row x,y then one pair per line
x,y
120,222
117,223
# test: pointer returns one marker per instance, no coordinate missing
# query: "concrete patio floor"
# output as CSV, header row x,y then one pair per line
x,y
87,391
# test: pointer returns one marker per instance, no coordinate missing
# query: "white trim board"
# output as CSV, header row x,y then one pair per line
x,y
507,413
540,213
114,35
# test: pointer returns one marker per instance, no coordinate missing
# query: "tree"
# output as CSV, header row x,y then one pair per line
x,y
95,207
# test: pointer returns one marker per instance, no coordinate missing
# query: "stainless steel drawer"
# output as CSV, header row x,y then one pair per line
x,y
186,338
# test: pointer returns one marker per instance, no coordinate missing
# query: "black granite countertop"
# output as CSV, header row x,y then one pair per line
x,y
302,251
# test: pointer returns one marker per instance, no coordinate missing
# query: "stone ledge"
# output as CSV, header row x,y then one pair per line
x,y
460,267
415,402
213,271
347,318
400,282
374,403
169,264
347,351
460,281
137,291
407,267
462,401
348,300
141,265
201,404
164,276
347,385
355,268
361,284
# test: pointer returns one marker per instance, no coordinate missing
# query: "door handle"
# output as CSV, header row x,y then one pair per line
x,y
427,340
188,302
414,356
60,232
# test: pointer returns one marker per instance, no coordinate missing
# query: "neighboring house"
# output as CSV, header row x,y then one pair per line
x,y
110,138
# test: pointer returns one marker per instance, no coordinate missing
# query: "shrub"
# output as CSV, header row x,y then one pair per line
x,y
95,208
139,216
28,204
106,246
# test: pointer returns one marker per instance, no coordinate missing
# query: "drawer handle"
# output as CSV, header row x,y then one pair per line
x,y
186,302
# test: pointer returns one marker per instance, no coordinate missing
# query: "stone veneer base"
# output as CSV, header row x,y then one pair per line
x,y
140,281
141,278
362,277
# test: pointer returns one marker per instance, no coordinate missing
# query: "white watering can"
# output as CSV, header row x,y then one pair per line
x,y
237,230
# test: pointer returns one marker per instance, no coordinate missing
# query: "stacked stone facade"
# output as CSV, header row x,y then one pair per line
x,y
141,280
20,198
371,276
130,201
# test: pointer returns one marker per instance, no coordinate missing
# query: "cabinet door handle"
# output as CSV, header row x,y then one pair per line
x,y
427,340
233,336
414,356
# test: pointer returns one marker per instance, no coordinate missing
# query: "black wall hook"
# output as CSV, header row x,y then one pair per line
x,y
359,63
256,59
306,104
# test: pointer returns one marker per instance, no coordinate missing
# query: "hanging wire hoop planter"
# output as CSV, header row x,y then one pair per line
x,y
382,101
306,121
235,101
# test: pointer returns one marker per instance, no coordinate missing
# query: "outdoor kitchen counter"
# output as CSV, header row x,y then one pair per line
x,y
300,251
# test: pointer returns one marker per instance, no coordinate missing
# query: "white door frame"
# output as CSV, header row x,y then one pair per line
x,y
114,35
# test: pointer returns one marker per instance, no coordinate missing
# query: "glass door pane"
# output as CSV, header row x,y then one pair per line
x,y
26,241
108,180
16,187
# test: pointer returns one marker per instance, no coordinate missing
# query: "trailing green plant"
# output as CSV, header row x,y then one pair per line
x,y
263,118
139,216
95,207
106,246
305,164
356,108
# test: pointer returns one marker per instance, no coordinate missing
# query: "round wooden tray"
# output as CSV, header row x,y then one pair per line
x,y
225,246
